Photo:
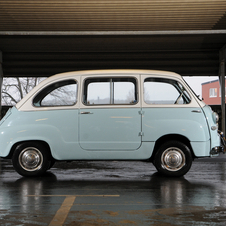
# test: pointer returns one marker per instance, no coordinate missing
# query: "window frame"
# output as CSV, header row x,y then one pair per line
x,y
214,93
111,80
184,94
73,81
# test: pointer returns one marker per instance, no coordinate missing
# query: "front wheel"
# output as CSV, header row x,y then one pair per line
x,y
31,159
173,158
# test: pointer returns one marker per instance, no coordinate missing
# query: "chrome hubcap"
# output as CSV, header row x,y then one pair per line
x,y
31,159
173,159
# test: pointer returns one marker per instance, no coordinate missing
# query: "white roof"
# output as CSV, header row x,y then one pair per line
x,y
117,71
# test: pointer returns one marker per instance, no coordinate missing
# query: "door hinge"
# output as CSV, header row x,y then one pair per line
x,y
141,134
141,112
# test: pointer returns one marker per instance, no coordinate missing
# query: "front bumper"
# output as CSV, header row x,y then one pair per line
x,y
222,147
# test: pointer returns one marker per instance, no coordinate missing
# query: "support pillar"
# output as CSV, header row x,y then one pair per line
x,y
222,85
1,80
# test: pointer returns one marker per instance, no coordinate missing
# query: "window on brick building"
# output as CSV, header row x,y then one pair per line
x,y
213,92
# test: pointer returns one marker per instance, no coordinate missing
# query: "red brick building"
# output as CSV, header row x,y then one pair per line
x,y
211,92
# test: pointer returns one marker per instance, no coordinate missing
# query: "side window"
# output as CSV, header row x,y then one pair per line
x,y
63,93
164,91
103,91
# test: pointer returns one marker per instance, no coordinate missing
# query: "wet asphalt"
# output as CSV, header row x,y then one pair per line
x,y
114,193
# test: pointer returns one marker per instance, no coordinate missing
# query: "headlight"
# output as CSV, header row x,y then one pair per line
x,y
215,117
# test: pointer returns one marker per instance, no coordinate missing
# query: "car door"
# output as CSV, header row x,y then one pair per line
x,y
170,109
109,117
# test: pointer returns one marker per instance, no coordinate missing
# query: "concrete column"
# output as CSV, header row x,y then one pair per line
x,y
1,80
222,85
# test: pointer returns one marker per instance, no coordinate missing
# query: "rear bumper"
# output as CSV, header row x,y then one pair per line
x,y
222,147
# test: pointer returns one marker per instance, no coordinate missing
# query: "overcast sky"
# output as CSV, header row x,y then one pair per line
x,y
196,81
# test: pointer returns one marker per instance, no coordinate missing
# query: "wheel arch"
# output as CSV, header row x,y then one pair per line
x,y
44,143
171,137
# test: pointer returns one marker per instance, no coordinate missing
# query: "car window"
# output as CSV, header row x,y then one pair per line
x,y
165,91
101,91
63,93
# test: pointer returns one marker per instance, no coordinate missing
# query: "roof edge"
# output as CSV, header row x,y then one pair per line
x,y
75,33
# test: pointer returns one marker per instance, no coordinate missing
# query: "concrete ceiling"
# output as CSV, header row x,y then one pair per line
x,y
41,38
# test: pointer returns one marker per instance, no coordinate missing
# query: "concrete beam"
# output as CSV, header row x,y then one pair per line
x,y
74,33
222,84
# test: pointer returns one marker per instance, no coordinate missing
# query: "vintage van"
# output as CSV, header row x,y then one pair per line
x,y
110,115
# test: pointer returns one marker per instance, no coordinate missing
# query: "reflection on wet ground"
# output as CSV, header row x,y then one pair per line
x,y
114,193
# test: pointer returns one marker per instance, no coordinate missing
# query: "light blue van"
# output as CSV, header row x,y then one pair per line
x,y
110,115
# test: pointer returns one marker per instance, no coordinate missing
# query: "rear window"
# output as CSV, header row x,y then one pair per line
x,y
62,93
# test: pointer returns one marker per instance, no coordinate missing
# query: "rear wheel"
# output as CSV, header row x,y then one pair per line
x,y
31,159
173,158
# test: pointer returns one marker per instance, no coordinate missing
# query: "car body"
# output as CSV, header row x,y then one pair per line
x,y
110,115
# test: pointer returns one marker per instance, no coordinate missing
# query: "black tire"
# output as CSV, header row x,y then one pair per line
x,y
31,159
52,162
173,158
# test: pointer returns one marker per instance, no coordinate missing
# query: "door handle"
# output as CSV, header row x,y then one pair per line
x,y
85,112
196,111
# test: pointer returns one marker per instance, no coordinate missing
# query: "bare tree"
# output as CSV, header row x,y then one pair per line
x,y
14,89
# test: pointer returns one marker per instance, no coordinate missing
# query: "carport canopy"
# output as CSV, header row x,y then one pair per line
x,y
41,38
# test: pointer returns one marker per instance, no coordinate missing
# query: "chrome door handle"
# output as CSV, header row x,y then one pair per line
x,y
197,111
85,112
